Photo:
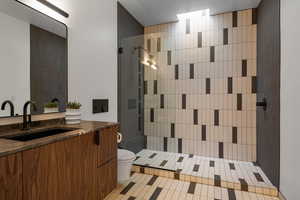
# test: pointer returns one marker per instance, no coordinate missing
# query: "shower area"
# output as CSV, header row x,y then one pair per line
x,y
191,107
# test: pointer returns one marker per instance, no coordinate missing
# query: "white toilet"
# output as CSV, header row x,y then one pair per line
x,y
125,160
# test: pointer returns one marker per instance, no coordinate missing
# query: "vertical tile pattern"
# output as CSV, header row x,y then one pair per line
x,y
199,39
212,54
225,36
234,19
192,71
204,64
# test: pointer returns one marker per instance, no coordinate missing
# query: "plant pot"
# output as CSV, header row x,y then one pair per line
x,y
50,110
73,116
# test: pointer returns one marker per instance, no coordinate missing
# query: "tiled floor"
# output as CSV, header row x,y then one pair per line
x,y
149,187
238,175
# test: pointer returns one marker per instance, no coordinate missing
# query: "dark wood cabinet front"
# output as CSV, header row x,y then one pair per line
x,y
107,178
11,177
107,149
75,169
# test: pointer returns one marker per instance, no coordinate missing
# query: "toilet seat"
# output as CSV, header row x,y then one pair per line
x,y
124,155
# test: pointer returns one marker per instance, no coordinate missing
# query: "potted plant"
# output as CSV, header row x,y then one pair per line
x,y
73,114
51,107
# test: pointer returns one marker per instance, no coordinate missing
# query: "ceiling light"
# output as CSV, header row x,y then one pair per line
x,y
53,7
199,13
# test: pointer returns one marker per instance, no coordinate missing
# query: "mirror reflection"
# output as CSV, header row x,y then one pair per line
x,y
33,60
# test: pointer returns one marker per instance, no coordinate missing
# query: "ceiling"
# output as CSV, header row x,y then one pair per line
x,y
152,12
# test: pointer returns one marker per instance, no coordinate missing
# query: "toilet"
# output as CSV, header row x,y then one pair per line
x,y
125,160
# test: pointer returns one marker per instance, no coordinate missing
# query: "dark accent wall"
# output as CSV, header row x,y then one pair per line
x,y
268,86
130,81
48,68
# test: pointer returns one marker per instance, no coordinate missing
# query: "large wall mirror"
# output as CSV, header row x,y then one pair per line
x,y
33,59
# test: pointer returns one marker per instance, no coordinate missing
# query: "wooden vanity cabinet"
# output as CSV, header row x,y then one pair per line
x,y
83,167
62,170
107,145
11,177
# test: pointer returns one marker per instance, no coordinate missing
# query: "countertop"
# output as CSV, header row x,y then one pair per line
x,y
8,147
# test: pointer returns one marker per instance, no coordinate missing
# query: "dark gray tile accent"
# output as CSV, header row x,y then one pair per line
x,y
192,71
216,117
229,85
162,101
244,185
234,19
231,194
131,198
203,132
152,155
155,87
188,26
158,44
225,36
212,163
196,168
172,130
137,158
176,72
244,68
254,84
192,188
152,180
180,159
191,155
152,115
199,39
149,45
145,87
217,181
212,54
207,85
195,117
221,150
169,57
231,166
234,135
254,16
184,101
163,163
165,144
127,188
156,193
179,145
258,177
239,102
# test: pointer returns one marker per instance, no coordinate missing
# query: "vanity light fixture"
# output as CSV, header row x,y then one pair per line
x,y
53,7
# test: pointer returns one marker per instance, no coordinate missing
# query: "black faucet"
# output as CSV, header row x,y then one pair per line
x,y
26,124
12,108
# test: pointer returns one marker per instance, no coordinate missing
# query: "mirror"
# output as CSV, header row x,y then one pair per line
x,y
33,59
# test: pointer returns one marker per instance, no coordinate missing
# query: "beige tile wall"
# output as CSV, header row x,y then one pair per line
x,y
184,48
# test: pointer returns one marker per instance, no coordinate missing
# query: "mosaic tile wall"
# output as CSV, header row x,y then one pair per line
x,y
202,98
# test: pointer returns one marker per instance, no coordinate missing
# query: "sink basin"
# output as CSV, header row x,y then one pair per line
x,y
36,134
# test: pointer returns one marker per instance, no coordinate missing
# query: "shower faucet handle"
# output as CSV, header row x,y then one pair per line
x,y
262,104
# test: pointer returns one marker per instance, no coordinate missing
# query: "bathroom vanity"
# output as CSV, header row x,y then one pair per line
x,y
80,163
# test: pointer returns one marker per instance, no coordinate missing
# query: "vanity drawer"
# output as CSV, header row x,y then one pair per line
x,y
106,140
106,178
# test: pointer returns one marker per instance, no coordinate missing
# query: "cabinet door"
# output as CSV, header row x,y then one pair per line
x,y
62,170
11,177
107,145
107,178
